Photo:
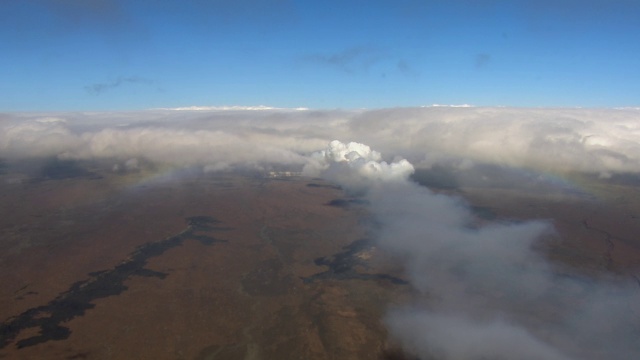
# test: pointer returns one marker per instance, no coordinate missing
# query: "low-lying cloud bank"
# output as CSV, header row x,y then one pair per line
x,y
603,141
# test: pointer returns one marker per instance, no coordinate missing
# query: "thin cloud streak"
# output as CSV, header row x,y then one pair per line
x,y
351,60
100,88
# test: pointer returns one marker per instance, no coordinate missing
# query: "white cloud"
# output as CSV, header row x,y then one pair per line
x,y
355,165
454,337
233,107
453,106
545,139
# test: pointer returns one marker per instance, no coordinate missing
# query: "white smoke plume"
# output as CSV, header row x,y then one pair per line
x,y
437,335
491,295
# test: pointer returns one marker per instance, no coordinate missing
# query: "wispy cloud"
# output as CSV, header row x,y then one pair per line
x,y
351,60
99,88
406,69
482,60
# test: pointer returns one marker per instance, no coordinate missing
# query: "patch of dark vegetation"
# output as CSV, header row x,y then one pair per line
x,y
342,265
21,297
345,203
78,298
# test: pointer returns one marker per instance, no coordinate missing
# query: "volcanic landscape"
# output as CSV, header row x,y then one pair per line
x,y
98,264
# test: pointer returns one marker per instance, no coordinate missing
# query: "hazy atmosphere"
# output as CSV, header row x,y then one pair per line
x,y
338,180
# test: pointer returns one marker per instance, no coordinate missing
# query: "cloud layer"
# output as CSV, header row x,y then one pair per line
x,y
545,140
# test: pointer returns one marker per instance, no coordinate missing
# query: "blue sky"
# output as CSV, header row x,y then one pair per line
x,y
120,55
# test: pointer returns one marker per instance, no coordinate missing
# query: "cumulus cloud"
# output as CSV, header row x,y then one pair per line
x,y
355,165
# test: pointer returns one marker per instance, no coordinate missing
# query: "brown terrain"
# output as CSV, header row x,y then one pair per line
x,y
200,267
102,265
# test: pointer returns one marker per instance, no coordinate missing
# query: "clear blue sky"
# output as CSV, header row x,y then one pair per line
x,y
128,54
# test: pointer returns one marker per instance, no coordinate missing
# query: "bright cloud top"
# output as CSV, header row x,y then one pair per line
x,y
357,159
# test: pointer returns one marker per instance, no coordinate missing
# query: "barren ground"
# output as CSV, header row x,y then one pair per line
x,y
235,267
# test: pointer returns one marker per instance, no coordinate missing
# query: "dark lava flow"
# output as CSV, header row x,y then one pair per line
x,y
75,301
341,265
345,203
328,186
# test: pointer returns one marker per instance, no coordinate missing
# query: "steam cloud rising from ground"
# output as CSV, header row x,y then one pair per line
x,y
487,287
